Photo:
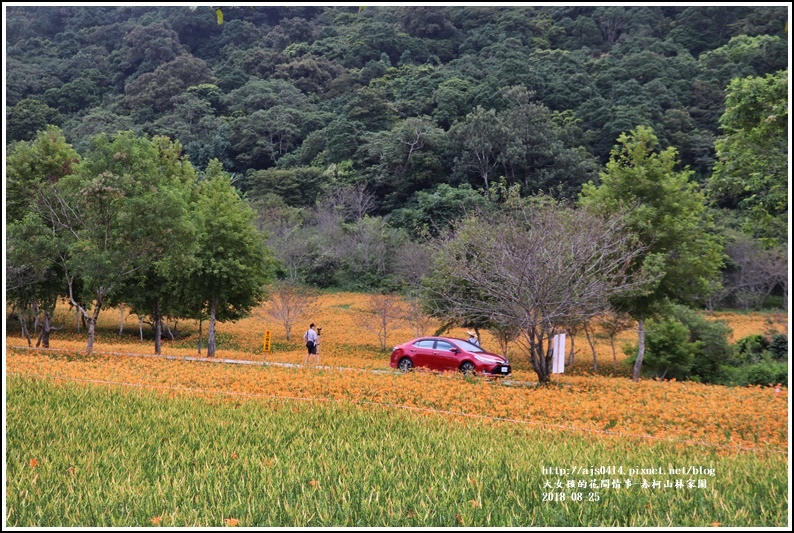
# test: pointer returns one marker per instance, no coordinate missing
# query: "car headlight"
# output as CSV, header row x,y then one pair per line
x,y
486,359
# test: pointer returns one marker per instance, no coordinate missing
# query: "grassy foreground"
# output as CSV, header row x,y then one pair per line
x,y
85,455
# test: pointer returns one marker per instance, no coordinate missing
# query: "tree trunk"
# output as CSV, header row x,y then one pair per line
x,y
211,330
90,346
171,334
592,347
35,309
614,353
121,319
92,326
44,337
140,326
641,348
158,328
541,361
23,324
199,339
571,353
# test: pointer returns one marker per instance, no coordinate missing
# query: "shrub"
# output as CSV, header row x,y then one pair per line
x,y
668,352
714,348
751,348
766,374
778,347
686,345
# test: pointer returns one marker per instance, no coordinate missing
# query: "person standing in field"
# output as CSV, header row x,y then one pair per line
x,y
473,338
312,340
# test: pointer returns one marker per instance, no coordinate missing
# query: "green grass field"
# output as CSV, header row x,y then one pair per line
x,y
85,455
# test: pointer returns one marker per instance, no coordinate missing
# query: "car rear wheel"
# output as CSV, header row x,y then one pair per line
x,y
467,368
405,364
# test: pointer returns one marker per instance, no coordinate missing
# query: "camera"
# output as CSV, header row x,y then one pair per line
x,y
319,331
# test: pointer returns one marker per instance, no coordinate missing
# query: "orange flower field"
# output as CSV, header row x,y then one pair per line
x,y
354,370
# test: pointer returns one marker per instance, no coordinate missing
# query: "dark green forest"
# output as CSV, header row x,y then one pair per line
x,y
359,133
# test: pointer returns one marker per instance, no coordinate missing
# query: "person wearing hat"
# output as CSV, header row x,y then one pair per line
x,y
473,338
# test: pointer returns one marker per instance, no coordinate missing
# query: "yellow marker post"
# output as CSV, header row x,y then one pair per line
x,y
266,346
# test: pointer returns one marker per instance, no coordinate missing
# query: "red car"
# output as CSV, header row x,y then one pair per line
x,y
445,353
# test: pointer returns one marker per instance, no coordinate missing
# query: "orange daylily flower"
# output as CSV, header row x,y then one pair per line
x,y
605,407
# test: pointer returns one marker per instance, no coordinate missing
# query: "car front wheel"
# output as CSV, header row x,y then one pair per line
x,y
405,364
467,368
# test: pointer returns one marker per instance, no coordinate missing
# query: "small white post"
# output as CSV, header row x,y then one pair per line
x,y
558,362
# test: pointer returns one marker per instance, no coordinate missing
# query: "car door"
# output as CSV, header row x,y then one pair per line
x,y
443,356
422,352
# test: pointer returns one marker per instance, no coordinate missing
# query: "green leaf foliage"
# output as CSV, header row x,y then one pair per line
x,y
668,213
28,117
752,165
413,97
669,352
231,265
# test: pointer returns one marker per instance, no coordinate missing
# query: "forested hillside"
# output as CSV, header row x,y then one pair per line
x,y
356,133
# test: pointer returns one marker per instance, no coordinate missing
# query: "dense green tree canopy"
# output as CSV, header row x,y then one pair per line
x,y
231,265
752,156
668,213
403,100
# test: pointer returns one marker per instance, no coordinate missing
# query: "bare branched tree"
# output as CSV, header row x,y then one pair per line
x,y
538,268
292,246
412,262
287,235
571,331
416,317
590,335
384,312
288,303
754,272
612,323
354,201
504,334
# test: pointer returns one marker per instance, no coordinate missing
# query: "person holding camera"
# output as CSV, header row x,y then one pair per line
x,y
312,338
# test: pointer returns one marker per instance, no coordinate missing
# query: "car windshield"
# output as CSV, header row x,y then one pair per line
x,y
469,347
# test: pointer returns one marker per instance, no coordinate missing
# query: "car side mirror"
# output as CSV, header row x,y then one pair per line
x,y
455,350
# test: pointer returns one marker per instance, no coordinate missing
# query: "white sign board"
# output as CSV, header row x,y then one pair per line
x,y
558,352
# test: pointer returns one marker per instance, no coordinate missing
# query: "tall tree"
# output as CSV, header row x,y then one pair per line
x,y
534,153
752,156
33,276
668,213
481,137
232,264
115,215
152,290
